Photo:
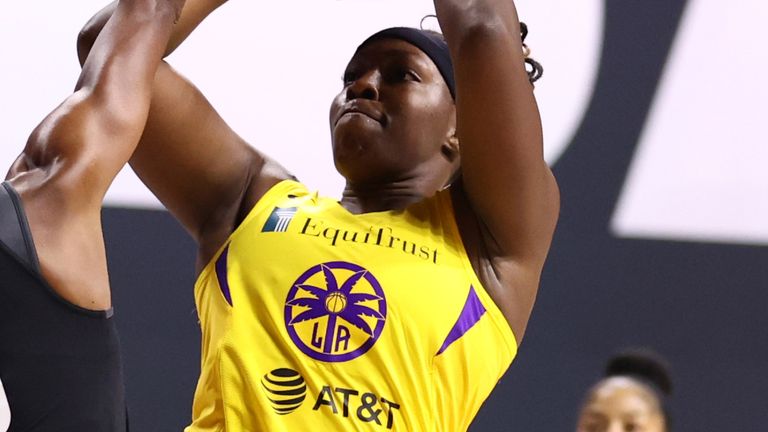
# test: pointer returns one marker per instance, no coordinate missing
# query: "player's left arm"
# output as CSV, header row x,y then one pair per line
x,y
508,185
72,156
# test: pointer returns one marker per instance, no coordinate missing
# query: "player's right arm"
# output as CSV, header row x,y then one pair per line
x,y
201,170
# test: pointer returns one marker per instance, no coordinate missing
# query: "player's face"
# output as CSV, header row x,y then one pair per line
x,y
394,116
621,405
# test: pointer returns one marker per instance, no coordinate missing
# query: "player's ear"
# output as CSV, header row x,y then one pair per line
x,y
450,147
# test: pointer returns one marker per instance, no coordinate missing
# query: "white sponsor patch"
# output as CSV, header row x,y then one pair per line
x,y
5,411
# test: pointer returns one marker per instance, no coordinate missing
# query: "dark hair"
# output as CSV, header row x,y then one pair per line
x,y
648,368
644,365
536,70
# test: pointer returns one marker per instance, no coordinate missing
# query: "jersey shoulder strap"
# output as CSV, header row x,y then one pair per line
x,y
14,228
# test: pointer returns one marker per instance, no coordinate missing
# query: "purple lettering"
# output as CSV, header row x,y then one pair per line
x,y
317,340
342,336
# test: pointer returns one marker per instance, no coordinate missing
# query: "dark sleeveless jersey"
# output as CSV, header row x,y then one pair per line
x,y
60,365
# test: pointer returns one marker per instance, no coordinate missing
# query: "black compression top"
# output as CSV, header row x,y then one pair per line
x,y
60,364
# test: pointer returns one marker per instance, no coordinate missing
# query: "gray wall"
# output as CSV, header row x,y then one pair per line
x,y
700,305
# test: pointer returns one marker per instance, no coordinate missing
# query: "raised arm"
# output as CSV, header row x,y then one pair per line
x,y
506,181
193,14
200,169
74,154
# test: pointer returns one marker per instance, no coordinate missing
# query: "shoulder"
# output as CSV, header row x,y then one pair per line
x,y
259,193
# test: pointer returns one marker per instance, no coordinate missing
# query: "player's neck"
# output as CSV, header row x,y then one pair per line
x,y
369,198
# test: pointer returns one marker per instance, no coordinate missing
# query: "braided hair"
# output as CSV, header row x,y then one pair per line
x,y
534,68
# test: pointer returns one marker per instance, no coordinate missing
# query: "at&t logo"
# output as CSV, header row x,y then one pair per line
x,y
285,389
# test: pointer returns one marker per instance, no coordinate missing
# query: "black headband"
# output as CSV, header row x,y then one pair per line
x,y
432,44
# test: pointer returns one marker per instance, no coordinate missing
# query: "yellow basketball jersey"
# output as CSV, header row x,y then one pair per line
x,y
317,319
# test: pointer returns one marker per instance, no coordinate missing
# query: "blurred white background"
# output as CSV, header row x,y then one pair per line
x,y
272,68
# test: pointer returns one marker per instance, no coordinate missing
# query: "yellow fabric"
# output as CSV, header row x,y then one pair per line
x,y
395,282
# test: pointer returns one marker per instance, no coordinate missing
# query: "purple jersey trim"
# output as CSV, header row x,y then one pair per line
x,y
470,315
221,275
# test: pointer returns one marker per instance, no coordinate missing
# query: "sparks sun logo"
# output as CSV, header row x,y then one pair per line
x,y
335,311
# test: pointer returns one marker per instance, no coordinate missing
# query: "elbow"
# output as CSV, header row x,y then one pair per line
x,y
90,31
485,31
478,20
86,39
486,27
476,41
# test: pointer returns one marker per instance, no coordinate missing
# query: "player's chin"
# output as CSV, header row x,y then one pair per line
x,y
357,151
359,167
351,141
356,127
350,164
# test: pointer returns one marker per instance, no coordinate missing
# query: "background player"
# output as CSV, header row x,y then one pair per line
x,y
632,396
59,359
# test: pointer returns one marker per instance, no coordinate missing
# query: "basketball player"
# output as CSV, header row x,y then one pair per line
x,y
401,306
633,395
59,360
